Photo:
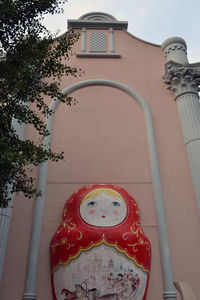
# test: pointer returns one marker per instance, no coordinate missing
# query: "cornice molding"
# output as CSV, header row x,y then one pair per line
x,y
97,20
76,24
182,78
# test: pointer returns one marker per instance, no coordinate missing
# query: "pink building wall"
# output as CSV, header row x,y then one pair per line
x,y
104,140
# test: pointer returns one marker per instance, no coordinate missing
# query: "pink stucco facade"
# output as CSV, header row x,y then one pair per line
x,y
104,140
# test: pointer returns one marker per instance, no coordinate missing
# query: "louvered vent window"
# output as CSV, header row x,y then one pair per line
x,y
98,42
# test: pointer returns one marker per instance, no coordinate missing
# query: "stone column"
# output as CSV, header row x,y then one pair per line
x,y
5,217
184,79
6,213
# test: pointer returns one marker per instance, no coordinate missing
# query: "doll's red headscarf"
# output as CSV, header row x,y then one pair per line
x,y
74,235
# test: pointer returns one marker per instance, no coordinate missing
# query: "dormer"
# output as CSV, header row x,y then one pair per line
x,y
98,34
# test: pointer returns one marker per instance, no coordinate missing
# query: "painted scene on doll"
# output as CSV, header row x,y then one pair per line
x,y
100,250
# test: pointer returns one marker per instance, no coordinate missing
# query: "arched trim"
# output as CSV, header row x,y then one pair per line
x,y
97,16
169,293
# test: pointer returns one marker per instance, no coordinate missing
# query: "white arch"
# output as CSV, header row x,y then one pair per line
x,y
169,293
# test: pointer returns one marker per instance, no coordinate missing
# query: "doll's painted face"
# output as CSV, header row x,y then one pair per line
x,y
103,210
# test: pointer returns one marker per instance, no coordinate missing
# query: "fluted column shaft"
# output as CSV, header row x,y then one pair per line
x,y
184,80
189,113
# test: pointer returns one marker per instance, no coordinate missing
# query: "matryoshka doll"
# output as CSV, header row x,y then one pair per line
x,y
100,250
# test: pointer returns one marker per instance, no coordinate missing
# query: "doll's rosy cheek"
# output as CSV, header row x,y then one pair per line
x,y
115,213
91,211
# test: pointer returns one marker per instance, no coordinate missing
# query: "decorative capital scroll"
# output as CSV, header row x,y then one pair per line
x,y
182,78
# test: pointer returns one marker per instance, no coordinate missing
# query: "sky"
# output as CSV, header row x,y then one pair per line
x,y
151,20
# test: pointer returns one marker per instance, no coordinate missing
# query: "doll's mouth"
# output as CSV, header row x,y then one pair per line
x,y
103,217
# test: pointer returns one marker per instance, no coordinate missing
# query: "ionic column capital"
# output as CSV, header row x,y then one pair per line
x,y
182,78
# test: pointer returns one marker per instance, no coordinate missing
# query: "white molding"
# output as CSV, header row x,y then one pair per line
x,y
31,279
98,55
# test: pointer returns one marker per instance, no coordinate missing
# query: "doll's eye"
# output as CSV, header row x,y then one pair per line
x,y
116,204
91,204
